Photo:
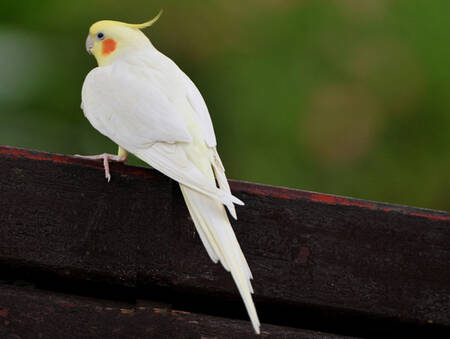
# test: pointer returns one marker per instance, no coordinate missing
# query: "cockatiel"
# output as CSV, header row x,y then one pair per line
x,y
141,100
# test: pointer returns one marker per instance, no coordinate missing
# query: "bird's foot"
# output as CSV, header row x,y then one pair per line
x,y
106,158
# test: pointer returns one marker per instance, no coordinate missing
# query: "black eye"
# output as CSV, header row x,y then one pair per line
x,y
100,36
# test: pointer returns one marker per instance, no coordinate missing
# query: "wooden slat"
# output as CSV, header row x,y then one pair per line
x,y
38,314
310,253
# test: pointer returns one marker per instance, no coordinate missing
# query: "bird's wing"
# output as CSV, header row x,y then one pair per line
x,y
204,119
181,88
135,108
131,108
201,111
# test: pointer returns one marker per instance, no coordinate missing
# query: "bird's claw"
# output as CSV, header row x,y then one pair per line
x,y
105,157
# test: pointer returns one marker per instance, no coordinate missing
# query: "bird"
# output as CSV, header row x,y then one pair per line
x,y
141,100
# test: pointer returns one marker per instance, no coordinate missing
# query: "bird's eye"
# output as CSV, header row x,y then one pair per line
x,y
100,36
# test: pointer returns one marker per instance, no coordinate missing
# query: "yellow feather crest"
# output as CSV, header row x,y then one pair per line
x,y
104,24
146,24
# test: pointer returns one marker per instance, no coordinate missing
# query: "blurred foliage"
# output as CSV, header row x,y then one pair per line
x,y
349,97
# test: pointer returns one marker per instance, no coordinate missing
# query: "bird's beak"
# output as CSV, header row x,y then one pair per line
x,y
89,44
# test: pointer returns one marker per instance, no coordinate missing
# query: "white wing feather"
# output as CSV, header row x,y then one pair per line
x,y
201,112
128,105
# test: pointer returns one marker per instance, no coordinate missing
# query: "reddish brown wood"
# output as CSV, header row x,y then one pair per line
x,y
338,264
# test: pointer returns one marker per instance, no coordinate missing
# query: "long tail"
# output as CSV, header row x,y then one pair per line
x,y
216,233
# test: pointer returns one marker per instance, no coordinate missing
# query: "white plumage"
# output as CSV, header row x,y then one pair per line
x,y
148,106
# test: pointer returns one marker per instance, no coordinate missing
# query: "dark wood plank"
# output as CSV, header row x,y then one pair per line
x,y
26,313
310,253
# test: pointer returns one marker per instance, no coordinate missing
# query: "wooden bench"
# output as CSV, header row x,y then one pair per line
x,y
80,257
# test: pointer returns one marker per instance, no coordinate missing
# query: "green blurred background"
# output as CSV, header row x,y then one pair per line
x,y
349,97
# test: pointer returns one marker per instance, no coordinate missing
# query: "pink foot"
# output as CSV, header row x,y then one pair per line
x,y
106,158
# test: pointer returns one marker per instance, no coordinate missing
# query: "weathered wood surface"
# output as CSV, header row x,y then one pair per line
x,y
319,261
41,314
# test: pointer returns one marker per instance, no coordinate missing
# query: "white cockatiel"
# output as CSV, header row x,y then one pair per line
x,y
141,100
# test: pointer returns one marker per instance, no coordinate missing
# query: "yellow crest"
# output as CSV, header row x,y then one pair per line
x,y
146,24
103,24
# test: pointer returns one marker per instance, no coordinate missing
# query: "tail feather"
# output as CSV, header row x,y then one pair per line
x,y
216,233
203,236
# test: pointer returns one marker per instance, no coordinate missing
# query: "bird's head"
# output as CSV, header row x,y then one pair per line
x,y
109,39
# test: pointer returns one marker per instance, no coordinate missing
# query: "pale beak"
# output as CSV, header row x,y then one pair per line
x,y
89,44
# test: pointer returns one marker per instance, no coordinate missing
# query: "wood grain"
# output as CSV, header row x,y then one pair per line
x,y
40,314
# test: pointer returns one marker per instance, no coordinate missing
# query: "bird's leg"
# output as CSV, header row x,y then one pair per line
x,y
122,156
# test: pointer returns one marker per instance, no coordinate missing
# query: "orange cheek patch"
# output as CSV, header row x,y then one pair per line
x,y
108,46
